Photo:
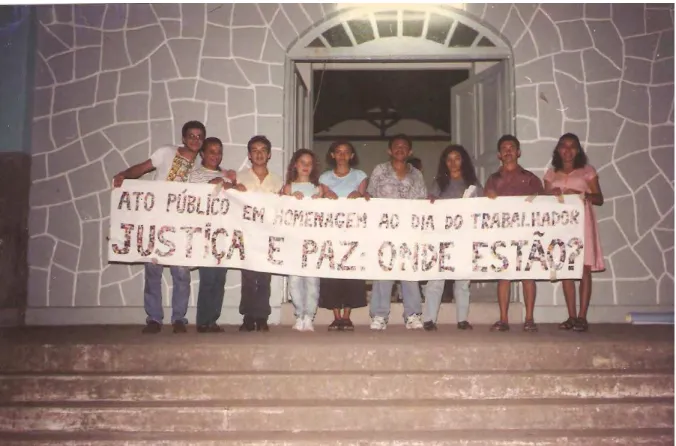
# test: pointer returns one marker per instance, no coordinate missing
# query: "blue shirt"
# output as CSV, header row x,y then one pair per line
x,y
307,189
343,186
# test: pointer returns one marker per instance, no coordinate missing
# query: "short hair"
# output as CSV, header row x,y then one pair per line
x,y
512,138
261,139
398,136
211,140
332,148
415,162
193,125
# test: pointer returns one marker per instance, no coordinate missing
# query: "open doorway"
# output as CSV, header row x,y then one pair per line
x,y
433,103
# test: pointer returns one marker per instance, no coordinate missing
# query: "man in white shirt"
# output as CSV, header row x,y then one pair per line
x,y
255,302
170,164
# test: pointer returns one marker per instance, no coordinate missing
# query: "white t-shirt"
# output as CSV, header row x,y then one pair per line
x,y
169,165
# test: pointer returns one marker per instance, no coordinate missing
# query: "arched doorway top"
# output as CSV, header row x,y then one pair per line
x,y
391,31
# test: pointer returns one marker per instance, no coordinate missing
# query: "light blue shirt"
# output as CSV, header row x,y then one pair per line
x,y
343,186
307,189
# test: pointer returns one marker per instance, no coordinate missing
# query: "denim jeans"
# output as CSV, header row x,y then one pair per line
x,y
381,295
255,301
152,294
434,292
210,295
304,293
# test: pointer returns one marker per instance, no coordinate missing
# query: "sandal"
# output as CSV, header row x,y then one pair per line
x,y
581,325
568,324
530,326
347,325
336,325
464,325
500,326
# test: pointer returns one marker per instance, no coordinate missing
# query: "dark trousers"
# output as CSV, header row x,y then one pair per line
x,y
210,297
255,301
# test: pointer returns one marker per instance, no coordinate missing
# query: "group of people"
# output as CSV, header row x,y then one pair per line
x,y
397,178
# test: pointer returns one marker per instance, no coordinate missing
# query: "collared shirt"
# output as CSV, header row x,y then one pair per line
x,y
271,183
515,183
384,183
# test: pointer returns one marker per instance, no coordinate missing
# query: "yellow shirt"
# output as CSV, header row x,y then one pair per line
x,y
271,183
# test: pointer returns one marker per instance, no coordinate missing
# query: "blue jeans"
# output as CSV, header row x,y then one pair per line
x,y
382,293
433,293
210,295
152,294
304,293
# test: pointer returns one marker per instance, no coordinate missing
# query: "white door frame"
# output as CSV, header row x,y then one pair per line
x,y
394,53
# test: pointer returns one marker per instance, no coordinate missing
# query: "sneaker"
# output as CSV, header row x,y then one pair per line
x,y
307,323
152,327
299,326
429,326
347,325
378,323
414,322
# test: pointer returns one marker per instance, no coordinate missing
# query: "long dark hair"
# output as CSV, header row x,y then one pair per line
x,y
292,174
580,159
468,173
341,142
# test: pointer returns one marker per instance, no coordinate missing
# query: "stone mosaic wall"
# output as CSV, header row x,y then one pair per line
x,y
115,81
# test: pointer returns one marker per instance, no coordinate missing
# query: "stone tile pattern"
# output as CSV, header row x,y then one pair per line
x,y
115,81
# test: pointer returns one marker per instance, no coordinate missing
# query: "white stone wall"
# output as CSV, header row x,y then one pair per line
x,y
115,81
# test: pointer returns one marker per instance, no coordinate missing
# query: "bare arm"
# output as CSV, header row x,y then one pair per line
x,y
595,197
133,172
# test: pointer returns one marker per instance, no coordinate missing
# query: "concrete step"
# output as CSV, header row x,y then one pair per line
x,y
512,437
125,350
334,386
390,416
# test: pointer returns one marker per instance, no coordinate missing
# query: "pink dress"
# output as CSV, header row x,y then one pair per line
x,y
578,180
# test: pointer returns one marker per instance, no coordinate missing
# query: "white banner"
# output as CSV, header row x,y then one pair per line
x,y
473,238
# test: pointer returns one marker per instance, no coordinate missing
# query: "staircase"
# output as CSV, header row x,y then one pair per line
x,y
111,386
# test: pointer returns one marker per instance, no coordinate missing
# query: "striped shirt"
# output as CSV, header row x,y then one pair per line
x,y
203,175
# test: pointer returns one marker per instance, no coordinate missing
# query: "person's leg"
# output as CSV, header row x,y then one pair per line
x,y
204,295
152,293
312,293
434,291
260,304
529,297
248,288
296,292
380,298
180,296
503,299
585,292
585,296
218,294
412,299
529,291
461,294
569,294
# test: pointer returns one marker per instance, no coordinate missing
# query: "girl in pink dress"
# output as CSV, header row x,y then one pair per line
x,y
570,174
